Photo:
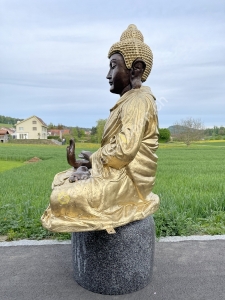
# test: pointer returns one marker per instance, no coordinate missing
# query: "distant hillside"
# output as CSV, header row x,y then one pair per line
x,y
176,129
6,125
8,121
71,127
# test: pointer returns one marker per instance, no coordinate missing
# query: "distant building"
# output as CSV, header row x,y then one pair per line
x,y
10,130
58,132
4,136
31,128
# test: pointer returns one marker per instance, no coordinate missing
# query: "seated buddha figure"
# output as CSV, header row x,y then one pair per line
x,y
117,189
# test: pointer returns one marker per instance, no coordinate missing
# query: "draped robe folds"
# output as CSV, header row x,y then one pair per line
x,y
119,190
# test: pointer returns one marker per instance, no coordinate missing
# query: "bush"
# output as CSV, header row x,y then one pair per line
x,y
68,137
94,139
164,134
53,137
218,137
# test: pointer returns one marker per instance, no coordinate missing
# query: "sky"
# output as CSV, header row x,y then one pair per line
x,y
53,58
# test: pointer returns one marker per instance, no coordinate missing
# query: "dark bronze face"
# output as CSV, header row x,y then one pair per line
x,y
119,75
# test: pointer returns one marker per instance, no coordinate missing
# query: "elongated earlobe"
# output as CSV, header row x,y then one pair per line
x,y
132,72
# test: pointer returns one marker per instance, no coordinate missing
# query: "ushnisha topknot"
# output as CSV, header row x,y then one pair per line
x,y
131,47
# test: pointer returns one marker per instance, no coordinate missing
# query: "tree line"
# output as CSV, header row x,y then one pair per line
x,y
187,131
9,120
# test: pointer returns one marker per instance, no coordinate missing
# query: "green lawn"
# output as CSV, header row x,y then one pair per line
x,y
7,165
190,183
6,125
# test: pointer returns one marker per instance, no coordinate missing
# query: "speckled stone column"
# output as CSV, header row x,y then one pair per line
x,y
115,264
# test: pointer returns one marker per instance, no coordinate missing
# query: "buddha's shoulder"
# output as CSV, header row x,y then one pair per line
x,y
145,91
142,96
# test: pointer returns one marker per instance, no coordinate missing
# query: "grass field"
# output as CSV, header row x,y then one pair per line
x,y
6,125
7,165
190,183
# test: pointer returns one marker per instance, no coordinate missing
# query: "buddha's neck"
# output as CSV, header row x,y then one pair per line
x,y
126,89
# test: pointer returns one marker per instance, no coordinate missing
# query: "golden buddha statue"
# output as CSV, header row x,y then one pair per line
x,y
118,187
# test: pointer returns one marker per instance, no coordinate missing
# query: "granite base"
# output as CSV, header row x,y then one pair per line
x,y
115,264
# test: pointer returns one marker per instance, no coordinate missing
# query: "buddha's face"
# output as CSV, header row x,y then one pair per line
x,y
119,75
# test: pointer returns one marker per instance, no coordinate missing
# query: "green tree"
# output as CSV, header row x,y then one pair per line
x,y
215,130
221,130
81,133
9,120
74,133
164,134
60,126
93,130
67,137
93,136
208,131
100,128
51,126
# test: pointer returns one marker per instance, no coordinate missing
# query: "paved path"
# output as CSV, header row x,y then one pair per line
x,y
186,270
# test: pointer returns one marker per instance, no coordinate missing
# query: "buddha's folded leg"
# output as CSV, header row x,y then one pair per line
x,y
81,198
94,204
85,200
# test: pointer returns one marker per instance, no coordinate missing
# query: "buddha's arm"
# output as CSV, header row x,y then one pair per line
x,y
124,146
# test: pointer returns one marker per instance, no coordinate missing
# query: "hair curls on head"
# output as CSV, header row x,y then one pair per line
x,y
131,47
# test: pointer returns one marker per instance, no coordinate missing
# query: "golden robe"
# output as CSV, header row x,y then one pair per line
x,y
122,175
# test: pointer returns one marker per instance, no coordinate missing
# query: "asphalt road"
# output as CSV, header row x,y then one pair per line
x,y
186,270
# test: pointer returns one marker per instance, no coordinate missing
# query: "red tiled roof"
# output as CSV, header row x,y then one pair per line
x,y
10,130
57,131
4,132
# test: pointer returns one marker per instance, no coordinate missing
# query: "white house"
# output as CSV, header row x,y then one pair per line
x,y
31,128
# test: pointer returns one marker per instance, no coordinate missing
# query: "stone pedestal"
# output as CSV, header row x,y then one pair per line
x,y
115,264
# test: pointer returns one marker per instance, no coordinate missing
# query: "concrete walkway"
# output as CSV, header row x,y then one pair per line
x,y
193,268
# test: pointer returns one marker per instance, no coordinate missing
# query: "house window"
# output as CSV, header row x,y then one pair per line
x,y
34,128
20,128
21,137
34,122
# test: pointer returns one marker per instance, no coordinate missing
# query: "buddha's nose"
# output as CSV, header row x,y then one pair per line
x,y
109,75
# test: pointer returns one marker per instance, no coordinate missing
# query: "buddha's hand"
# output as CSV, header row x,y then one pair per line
x,y
86,156
72,159
81,173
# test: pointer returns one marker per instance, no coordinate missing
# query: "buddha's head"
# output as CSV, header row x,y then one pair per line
x,y
130,61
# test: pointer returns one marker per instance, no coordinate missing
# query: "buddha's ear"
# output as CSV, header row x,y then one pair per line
x,y
136,72
139,66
